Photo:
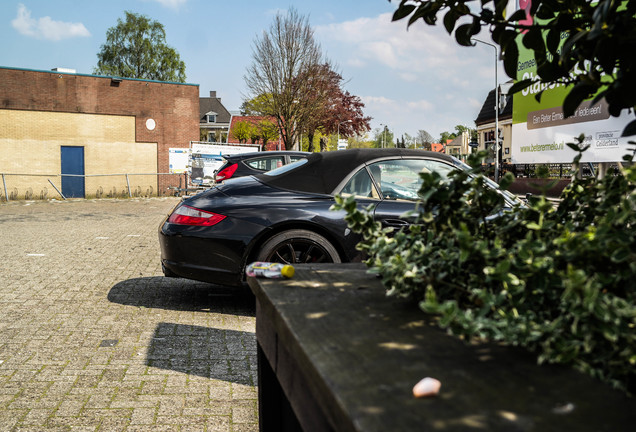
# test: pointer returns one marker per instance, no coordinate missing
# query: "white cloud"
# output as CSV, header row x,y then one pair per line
x,y
409,76
46,28
420,105
413,78
474,103
173,4
389,105
399,115
379,40
380,103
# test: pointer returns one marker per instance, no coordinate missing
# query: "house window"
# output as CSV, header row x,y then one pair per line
x,y
211,118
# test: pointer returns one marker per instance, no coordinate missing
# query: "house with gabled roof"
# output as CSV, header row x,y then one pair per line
x,y
437,147
214,119
485,123
459,146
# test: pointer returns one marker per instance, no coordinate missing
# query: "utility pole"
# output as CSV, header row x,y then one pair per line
x,y
496,109
382,137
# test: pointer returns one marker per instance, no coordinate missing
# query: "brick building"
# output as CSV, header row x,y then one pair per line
x,y
59,122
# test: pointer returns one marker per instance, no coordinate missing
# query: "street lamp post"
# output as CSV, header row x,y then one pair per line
x,y
496,109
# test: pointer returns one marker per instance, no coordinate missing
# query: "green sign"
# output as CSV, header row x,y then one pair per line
x,y
540,130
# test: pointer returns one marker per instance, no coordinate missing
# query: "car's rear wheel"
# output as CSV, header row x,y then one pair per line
x,y
298,247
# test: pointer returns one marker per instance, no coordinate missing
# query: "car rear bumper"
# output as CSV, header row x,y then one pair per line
x,y
200,273
209,254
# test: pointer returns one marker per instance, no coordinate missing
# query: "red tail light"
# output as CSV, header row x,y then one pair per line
x,y
186,215
226,172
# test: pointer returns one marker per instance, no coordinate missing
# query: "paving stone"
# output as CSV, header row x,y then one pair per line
x,y
94,338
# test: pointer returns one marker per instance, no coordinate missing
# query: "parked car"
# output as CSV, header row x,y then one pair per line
x,y
283,215
244,164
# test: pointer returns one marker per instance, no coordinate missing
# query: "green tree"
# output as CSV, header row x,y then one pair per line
x,y
424,139
588,45
360,142
445,136
254,134
267,130
137,48
242,131
459,129
383,138
256,106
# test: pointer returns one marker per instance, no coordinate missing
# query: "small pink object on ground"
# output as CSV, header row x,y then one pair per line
x,y
427,387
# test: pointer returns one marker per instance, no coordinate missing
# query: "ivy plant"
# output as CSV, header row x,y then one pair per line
x,y
558,280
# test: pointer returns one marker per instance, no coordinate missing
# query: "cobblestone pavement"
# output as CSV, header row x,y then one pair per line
x,y
94,338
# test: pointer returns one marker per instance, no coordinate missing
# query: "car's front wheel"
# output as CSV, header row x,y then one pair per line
x,y
298,247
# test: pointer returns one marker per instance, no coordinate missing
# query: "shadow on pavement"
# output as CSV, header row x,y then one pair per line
x,y
217,353
183,295
208,352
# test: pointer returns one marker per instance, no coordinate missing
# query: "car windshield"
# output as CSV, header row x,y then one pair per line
x,y
511,198
393,179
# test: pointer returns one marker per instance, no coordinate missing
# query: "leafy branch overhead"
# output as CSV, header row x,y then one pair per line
x,y
588,45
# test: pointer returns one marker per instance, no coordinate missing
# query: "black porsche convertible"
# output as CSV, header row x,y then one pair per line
x,y
283,215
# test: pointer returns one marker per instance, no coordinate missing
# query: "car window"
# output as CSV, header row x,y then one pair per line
x,y
294,158
285,168
266,163
360,185
399,179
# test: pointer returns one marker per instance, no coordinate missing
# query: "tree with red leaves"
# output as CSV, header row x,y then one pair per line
x,y
334,109
291,81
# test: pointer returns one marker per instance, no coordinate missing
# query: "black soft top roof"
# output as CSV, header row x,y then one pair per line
x,y
324,171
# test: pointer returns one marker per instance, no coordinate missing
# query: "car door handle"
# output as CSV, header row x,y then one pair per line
x,y
395,222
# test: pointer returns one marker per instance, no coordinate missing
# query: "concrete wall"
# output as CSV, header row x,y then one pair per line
x,y
40,111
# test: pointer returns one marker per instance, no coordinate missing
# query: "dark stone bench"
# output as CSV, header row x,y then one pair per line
x,y
336,354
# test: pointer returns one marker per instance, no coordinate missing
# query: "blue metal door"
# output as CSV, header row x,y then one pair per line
x,y
73,163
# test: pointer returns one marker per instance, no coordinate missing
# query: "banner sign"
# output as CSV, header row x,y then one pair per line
x,y
208,158
221,149
178,160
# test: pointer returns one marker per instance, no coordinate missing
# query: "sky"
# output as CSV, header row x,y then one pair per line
x,y
409,79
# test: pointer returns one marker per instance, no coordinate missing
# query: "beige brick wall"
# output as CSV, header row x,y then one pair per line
x,y
30,143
